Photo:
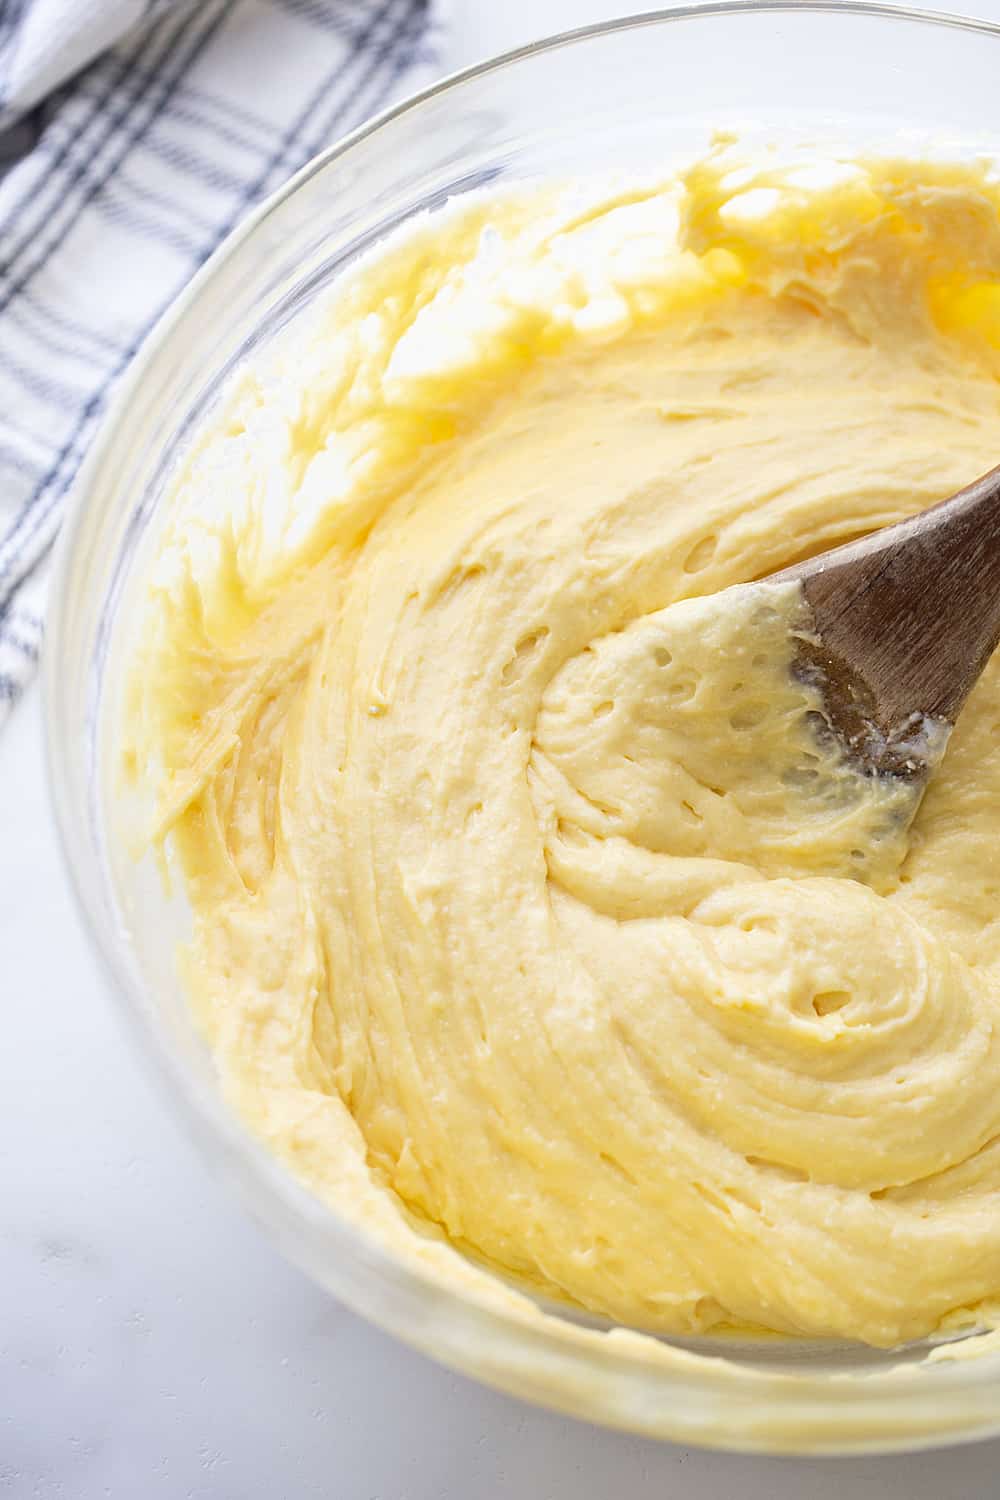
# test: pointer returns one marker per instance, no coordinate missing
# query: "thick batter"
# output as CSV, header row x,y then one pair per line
x,y
530,914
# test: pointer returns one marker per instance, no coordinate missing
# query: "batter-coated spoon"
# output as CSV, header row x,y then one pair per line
x,y
902,624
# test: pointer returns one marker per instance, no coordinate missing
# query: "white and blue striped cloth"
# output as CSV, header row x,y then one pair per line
x,y
134,134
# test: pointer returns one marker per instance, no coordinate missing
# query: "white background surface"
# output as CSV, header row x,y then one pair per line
x,y
152,1343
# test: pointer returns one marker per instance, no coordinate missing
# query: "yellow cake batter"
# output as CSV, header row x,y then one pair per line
x,y
531,915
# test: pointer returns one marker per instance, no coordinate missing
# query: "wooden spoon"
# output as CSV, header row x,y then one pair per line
x,y
903,623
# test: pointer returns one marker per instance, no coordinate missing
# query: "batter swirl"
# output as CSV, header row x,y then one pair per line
x,y
528,913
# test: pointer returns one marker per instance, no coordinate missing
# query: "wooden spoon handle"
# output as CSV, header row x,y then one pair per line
x,y
915,609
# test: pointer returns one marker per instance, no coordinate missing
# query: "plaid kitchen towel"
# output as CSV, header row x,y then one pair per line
x,y
134,134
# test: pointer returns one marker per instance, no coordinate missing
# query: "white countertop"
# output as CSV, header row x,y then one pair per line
x,y
153,1343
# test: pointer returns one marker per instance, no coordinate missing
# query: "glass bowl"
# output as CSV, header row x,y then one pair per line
x,y
640,91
